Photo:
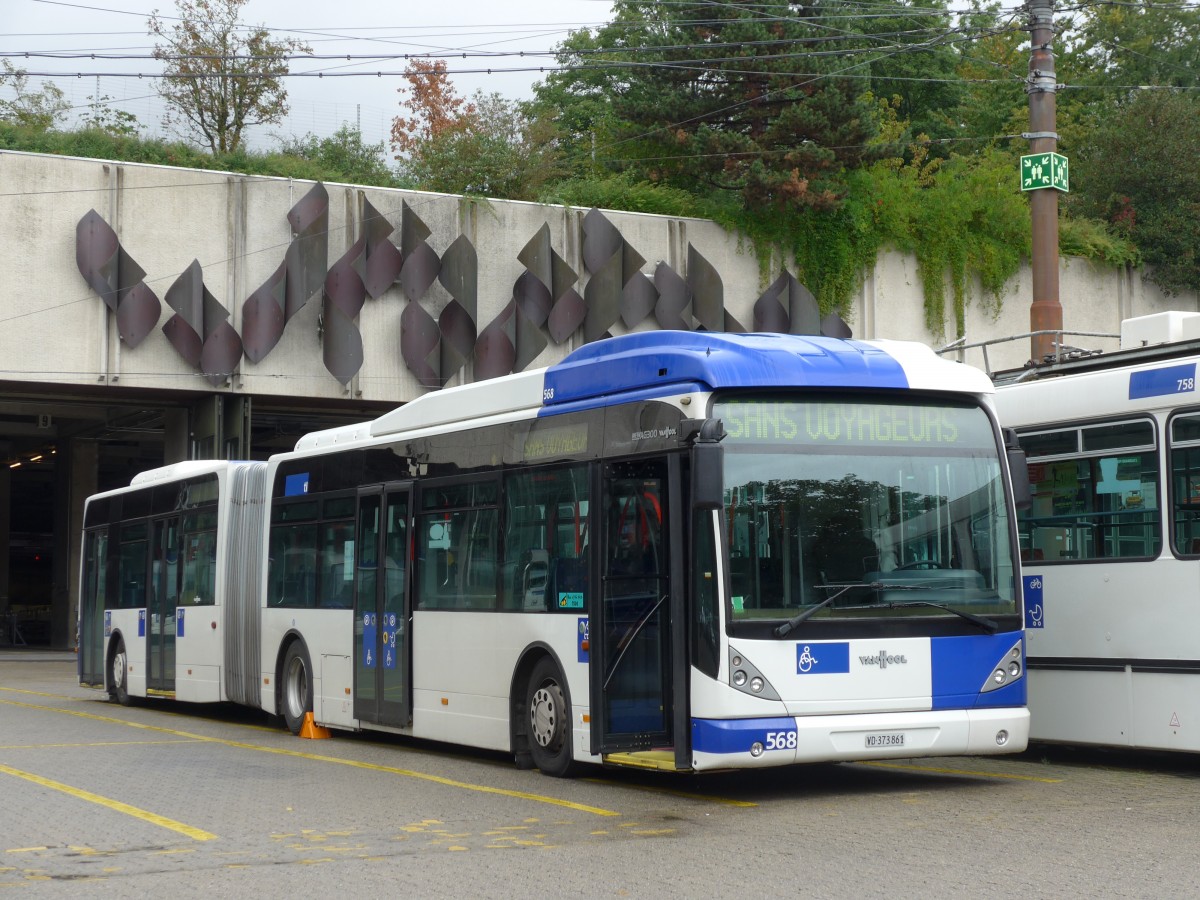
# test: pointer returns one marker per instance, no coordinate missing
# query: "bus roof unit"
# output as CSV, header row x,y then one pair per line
x,y
667,362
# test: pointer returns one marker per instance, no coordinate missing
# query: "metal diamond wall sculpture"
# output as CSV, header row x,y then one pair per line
x,y
299,277
788,307
369,267
420,338
200,329
708,295
616,284
459,275
673,310
544,297
112,273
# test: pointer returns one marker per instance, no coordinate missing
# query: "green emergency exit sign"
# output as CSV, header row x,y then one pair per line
x,y
1044,170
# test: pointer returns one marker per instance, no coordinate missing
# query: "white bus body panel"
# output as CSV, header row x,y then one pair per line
x,y
1102,634
125,622
198,651
459,697
1109,613
869,700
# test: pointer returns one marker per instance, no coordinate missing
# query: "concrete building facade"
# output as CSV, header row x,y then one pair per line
x,y
152,314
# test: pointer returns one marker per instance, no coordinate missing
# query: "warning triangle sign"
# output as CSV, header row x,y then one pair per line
x,y
1174,720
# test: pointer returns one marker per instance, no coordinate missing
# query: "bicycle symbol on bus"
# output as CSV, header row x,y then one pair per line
x,y
806,661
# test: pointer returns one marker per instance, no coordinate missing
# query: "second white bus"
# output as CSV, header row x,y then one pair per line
x,y
1111,545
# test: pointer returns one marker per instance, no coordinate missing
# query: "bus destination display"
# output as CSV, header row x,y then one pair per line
x,y
854,424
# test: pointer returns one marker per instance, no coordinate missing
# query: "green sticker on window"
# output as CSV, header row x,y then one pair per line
x,y
570,600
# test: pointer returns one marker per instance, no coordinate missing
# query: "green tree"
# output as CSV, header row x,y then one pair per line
x,y
711,98
1135,170
909,51
220,76
38,110
993,66
347,157
1130,44
101,115
488,146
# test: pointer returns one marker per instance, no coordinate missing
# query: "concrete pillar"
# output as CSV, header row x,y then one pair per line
x,y
5,540
82,464
176,436
61,633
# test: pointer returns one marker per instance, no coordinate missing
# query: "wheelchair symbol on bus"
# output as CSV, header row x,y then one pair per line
x,y
806,660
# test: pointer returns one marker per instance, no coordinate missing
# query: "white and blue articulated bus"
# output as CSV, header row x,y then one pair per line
x,y
682,551
169,578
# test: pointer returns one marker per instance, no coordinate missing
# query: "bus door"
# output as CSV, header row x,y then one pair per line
x,y
382,648
163,602
92,593
636,655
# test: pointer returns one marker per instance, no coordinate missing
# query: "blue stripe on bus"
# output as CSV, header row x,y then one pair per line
x,y
963,664
650,393
656,359
735,735
1163,382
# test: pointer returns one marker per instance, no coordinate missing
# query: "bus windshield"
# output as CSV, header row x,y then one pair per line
x,y
891,507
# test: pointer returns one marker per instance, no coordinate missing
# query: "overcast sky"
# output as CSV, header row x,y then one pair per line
x,y
356,27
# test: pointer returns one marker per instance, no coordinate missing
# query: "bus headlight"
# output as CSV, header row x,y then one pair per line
x,y
1009,668
745,677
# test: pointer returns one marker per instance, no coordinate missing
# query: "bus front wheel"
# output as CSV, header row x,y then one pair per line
x,y
549,720
297,686
120,676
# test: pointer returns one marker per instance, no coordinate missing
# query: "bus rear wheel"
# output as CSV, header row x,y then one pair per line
x,y
120,676
549,720
297,686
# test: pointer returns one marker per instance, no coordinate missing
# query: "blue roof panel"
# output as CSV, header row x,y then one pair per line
x,y
656,359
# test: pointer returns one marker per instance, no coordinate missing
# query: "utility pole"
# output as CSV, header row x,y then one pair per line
x,y
1045,311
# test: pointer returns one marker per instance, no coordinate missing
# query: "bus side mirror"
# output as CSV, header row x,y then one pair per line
x,y
1018,466
708,465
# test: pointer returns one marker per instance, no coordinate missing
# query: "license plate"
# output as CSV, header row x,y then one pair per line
x,y
886,739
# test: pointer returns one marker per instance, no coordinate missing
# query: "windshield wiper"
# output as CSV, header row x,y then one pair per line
x,y
987,625
786,628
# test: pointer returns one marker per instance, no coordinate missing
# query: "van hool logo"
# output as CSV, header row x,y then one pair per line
x,y
667,433
883,659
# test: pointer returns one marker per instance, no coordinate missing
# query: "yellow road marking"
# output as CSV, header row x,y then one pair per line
x,y
92,700
725,801
942,771
116,805
11,690
92,744
316,757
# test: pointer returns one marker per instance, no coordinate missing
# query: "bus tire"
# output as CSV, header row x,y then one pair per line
x,y
548,717
296,686
120,676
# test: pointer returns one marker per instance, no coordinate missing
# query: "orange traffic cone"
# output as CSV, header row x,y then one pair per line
x,y
312,730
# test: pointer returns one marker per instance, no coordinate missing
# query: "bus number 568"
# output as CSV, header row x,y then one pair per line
x,y
780,740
